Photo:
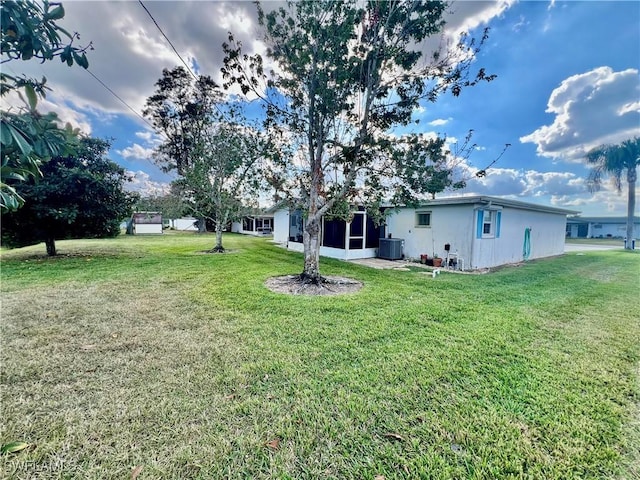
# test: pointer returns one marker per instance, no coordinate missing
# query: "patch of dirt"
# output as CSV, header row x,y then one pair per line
x,y
292,285
215,252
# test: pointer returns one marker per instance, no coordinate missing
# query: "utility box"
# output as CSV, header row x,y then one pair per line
x,y
391,248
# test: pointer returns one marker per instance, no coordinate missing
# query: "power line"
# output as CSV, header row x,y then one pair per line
x,y
118,97
176,52
167,39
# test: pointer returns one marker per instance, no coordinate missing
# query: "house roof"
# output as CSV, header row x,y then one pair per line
x,y
606,220
486,201
147,217
478,200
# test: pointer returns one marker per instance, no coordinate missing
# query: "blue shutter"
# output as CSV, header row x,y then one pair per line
x,y
480,218
498,217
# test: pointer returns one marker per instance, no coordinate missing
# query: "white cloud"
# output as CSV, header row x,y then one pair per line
x,y
467,16
141,182
440,121
136,151
592,108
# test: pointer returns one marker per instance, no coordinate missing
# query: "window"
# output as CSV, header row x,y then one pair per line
x,y
487,223
423,219
296,225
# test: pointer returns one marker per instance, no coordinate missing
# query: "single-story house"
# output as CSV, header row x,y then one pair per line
x,y
259,224
471,232
600,227
145,223
186,224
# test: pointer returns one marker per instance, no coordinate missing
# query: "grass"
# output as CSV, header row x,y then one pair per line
x,y
143,355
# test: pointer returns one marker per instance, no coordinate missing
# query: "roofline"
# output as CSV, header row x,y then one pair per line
x,y
482,200
578,219
479,200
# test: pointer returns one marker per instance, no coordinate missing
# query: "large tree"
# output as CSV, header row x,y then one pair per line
x,y
29,31
613,161
346,75
79,196
208,143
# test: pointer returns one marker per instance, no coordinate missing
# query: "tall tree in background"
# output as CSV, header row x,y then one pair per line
x,y
79,196
29,31
612,161
348,74
180,109
209,144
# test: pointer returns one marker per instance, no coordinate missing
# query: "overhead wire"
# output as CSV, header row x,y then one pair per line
x,y
167,39
176,52
119,98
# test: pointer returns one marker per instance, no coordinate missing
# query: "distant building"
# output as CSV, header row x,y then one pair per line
x,y
258,224
145,223
600,227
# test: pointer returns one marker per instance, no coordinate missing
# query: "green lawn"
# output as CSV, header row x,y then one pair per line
x,y
144,355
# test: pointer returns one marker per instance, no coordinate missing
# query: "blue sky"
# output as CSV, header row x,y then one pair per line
x,y
568,79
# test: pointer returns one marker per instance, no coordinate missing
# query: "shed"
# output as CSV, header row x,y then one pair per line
x,y
145,223
473,232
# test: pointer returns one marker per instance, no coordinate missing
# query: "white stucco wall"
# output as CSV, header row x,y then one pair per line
x,y
547,237
450,224
147,228
456,225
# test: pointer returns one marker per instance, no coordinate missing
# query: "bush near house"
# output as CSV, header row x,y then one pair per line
x,y
144,356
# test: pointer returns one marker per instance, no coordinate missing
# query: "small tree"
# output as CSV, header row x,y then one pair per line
x,y
80,196
348,75
208,144
224,179
29,31
613,161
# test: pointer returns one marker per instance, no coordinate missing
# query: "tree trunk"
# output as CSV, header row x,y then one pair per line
x,y
50,243
202,225
631,205
311,242
219,248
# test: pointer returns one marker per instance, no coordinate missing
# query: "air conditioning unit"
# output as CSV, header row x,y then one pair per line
x,y
390,248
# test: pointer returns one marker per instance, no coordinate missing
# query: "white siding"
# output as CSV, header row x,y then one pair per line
x,y
147,228
184,224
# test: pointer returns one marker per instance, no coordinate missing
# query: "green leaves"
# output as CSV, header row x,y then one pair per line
x,y
31,96
56,14
13,447
29,30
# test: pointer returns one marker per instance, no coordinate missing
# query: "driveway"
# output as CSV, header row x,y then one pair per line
x,y
590,247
